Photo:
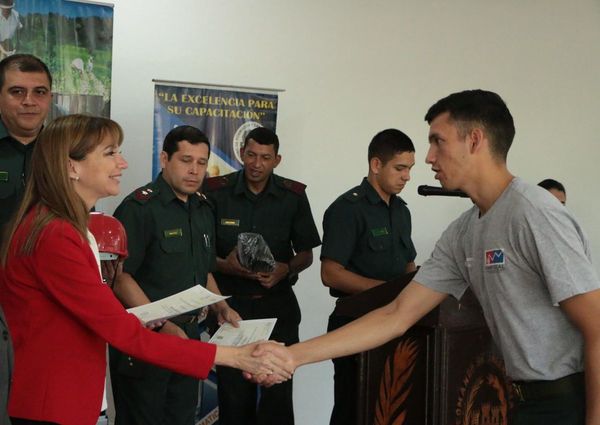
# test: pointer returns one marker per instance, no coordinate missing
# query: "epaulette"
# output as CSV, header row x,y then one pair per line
x,y
216,183
291,185
144,194
353,195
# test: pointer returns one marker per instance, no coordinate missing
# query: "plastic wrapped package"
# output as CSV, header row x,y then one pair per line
x,y
254,253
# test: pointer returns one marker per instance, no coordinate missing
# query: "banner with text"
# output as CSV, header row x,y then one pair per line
x,y
225,115
74,39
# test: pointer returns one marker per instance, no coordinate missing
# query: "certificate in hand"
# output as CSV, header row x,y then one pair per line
x,y
249,331
183,302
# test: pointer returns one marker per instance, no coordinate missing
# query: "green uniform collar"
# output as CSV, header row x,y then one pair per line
x,y
4,134
370,192
241,186
3,130
372,195
166,193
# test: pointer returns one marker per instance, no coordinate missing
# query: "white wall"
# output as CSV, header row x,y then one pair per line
x,y
351,68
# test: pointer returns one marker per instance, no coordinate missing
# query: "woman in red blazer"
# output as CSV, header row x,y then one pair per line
x,y
59,312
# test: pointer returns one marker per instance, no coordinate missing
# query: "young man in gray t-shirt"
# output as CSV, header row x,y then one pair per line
x,y
522,253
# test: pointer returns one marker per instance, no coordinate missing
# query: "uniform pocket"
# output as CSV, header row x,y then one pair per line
x,y
380,243
173,245
7,189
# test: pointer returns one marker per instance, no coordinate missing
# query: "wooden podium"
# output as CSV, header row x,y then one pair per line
x,y
444,371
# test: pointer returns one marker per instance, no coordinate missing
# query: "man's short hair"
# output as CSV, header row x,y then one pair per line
x,y
263,136
183,132
470,108
388,143
25,63
552,184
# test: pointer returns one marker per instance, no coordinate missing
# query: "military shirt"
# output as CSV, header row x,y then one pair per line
x,y
170,242
280,213
366,236
15,158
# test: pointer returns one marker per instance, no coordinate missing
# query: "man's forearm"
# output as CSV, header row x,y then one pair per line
x,y
335,276
128,291
299,262
373,329
583,310
592,381
222,265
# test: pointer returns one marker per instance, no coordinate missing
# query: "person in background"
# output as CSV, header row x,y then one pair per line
x,y
366,241
9,24
59,311
25,96
556,188
256,200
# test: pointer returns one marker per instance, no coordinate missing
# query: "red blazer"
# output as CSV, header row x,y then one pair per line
x,y
61,315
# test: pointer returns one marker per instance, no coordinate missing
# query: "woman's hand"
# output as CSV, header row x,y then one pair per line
x,y
270,361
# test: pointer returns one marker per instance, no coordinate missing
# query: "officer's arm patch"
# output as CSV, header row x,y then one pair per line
x,y
294,186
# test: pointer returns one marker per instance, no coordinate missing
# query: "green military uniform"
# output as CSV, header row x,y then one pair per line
x,y
171,248
282,215
369,238
15,158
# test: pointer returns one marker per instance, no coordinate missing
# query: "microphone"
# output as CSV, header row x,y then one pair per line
x,y
425,190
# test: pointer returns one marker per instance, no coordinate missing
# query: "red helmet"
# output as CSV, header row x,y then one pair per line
x,y
110,236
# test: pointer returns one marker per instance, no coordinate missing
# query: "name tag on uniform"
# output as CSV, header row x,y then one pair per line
x,y
173,233
230,222
3,176
380,231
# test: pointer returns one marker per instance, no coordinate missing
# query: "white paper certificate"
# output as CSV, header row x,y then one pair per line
x,y
249,331
185,301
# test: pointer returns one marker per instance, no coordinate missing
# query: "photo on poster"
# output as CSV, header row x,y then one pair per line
x,y
74,39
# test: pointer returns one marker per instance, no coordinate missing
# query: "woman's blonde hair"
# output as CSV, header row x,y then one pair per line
x,y
49,191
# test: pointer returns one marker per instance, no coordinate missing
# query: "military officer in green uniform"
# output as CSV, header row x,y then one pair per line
x,y
256,200
25,96
367,241
170,231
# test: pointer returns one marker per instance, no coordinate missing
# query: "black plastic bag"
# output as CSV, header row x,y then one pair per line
x,y
254,253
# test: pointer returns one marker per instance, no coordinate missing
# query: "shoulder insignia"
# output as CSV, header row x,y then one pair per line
x,y
353,195
216,183
143,194
293,186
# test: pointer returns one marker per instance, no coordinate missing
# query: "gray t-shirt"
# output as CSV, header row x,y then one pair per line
x,y
523,257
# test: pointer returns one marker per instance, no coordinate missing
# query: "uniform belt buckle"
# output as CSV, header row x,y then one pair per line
x,y
518,391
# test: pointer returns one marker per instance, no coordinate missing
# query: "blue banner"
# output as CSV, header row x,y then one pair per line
x,y
224,115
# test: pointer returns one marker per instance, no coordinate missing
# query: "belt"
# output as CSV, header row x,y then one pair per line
x,y
184,319
536,390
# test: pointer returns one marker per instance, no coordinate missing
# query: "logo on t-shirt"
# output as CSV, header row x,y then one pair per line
x,y
494,258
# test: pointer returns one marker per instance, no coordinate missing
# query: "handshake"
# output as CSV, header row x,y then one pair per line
x,y
265,363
